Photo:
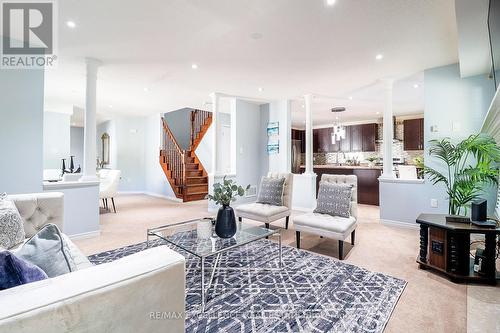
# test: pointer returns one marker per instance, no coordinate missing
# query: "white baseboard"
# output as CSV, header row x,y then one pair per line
x,y
167,197
84,235
152,194
399,224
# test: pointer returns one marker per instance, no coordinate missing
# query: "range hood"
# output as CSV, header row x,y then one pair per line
x,y
395,139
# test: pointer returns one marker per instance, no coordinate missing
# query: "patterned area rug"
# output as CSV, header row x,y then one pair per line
x,y
311,293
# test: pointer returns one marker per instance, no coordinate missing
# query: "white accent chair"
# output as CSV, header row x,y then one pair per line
x,y
269,213
329,226
108,187
127,295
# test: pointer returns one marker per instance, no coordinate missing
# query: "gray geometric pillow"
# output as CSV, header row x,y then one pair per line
x,y
47,250
334,199
11,223
271,191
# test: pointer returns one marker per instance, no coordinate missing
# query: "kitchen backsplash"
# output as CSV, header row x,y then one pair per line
x,y
397,151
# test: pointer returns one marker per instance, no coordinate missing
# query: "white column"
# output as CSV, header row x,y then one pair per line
x,y
388,130
309,134
215,137
90,129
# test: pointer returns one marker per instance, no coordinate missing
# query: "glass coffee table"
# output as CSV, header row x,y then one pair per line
x,y
185,236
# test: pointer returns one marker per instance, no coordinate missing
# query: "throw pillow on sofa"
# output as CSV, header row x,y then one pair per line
x,y
15,271
271,191
334,199
11,224
52,251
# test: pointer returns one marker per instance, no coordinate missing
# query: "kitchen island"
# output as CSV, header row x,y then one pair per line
x,y
368,191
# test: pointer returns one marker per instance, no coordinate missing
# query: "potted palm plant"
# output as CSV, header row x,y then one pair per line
x,y
470,166
224,194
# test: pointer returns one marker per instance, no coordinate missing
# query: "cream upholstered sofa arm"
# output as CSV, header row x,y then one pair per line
x,y
143,292
38,209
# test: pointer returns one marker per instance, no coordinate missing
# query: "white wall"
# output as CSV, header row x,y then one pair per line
x,y
450,102
127,151
76,145
21,130
56,139
249,161
155,181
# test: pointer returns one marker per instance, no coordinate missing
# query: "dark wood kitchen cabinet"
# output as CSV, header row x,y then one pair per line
x,y
322,141
356,138
345,144
413,134
369,135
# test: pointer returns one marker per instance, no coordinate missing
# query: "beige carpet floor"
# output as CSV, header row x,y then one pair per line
x,y
430,303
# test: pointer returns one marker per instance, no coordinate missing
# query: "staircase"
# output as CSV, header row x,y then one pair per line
x,y
183,169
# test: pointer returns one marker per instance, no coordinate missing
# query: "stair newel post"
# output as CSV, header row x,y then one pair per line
x,y
184,180
192,115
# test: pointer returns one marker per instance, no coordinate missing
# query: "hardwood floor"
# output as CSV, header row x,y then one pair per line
x,y
430,303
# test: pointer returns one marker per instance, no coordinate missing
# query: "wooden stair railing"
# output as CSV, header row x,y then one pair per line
x,y
200,122
173,161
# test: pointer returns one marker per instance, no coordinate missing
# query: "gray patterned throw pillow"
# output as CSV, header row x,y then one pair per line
x,y
11,224
334,199
271,191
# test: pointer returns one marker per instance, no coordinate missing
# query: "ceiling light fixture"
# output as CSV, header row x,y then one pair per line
x,y
302,106
194,66
71,24
110,106
330,2
377,112
260,89
379,56
338,132
415,86
350,97
146,89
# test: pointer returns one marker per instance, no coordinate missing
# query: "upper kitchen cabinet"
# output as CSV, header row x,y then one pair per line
x,y
369,135
322,141
413,133
356,138
345,143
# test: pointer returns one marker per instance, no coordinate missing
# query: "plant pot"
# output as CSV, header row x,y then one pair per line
x,y
225,226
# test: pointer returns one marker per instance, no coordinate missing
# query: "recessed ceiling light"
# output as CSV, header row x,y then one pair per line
x,y
71,24
379,56
415,85
256,35
350,97
194,66
260,89
378,112
303,106
330,2
110,106
146,89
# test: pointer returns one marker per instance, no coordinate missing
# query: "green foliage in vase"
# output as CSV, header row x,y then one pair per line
x,y
226,192
471,165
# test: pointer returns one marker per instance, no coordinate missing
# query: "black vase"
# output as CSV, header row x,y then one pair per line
x,y
225,226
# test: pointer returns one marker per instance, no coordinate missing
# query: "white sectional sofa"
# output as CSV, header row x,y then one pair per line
x,y
143,292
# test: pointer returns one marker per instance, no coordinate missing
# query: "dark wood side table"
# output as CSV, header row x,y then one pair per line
x,y
445,246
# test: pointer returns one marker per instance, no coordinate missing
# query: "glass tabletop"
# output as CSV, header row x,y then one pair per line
x,y
198,236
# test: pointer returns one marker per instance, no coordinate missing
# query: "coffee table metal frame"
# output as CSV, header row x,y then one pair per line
x,y
157,232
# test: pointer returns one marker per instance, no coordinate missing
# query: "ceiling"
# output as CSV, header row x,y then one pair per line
x,y
286,47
